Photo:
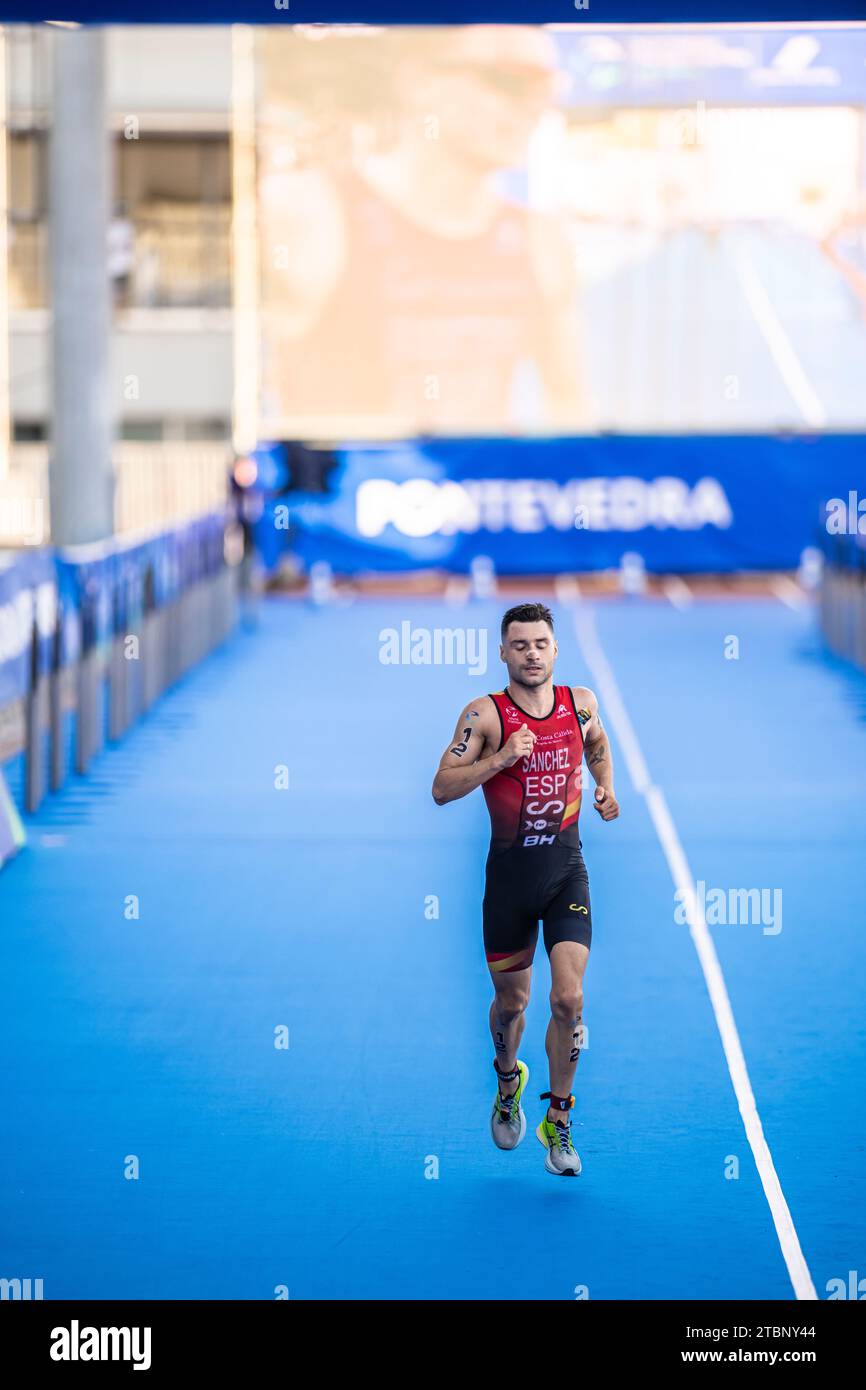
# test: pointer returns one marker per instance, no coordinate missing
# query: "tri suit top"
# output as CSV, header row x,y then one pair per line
x,y
536,801
535,868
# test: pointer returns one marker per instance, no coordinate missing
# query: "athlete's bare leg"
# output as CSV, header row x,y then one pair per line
x,y
567,965
508,1019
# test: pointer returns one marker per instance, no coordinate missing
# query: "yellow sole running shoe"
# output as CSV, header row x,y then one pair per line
x,y
561,1157
507,1120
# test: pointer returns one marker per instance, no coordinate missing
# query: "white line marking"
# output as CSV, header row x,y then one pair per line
x,y
677,591
684,881
788,363
788,592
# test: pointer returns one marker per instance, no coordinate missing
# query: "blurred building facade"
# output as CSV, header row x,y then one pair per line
x,y
168,256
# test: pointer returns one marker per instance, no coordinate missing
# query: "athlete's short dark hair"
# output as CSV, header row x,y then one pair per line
x,y
527,613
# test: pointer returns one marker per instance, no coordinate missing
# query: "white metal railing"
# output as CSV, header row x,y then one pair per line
x,y
158,484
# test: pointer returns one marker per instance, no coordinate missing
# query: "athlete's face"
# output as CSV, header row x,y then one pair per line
x,y
529,651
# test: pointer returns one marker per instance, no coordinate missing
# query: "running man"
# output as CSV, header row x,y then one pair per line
x,y
525,747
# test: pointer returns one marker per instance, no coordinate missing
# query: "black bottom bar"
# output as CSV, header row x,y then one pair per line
x,y
223,1337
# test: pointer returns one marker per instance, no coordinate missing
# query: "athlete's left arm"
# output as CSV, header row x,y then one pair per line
x,y
596,746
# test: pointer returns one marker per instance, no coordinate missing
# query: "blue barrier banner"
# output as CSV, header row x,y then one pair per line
x,y
684,503
103,587
12,833
27,591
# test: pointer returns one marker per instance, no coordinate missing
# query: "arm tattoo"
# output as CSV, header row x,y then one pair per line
x,y
460,748
597,756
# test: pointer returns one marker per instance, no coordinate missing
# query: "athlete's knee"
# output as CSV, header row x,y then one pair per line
x,y
511,1003
566,1004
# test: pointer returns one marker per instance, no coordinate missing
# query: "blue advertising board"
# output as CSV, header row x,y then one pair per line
x,y
684,503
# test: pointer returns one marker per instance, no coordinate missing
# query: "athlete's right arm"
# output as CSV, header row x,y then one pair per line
x,y
461,767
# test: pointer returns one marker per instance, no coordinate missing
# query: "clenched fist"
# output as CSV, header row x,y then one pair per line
x,y
520,745
606,804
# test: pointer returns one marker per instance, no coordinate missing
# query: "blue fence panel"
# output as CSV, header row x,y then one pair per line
x,y
27,588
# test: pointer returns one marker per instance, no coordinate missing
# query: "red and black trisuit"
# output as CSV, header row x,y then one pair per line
x,y
535,869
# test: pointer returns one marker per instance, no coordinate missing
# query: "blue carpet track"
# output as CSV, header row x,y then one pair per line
x,y
356,1161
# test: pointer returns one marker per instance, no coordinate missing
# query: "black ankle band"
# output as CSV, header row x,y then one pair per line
x,y
558,1102
506,1075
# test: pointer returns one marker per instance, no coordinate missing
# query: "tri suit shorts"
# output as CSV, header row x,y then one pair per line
x,y
523,886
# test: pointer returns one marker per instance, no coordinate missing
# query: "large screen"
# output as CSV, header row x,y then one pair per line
x,y
518,230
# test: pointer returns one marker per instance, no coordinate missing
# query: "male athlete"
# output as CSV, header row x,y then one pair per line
x,y
525,746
